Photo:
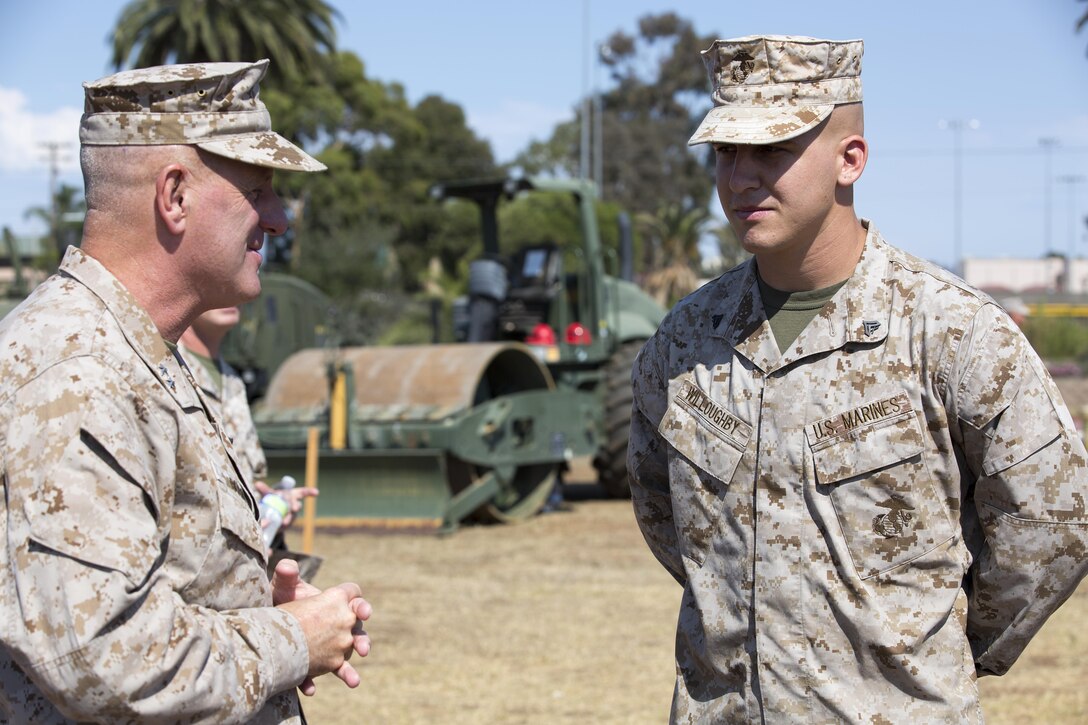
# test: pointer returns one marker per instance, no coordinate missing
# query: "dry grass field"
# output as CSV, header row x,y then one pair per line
x,y
567,618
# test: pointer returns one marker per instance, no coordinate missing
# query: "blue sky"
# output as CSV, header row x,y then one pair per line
x,y
1015,66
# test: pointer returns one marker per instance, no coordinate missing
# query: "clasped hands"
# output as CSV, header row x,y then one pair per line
x,y
332,622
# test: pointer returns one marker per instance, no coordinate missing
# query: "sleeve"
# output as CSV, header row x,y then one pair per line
x,y
1024,506
647,456
92,615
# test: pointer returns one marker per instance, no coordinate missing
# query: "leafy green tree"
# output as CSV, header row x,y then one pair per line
x,y
296,35
352,116
658,97
440,147
369,222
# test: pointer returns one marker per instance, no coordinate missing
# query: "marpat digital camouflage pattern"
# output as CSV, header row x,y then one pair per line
x,y
132,571
861,522
770,88
230,404
213,106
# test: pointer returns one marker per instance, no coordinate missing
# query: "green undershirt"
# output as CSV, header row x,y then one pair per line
x,y
790,312
212,367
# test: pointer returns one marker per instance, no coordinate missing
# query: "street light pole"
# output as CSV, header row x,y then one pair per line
x,y
1048,145
587,102
957,126
1071,181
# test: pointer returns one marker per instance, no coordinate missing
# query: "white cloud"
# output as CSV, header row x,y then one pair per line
x,y
23,134
515,123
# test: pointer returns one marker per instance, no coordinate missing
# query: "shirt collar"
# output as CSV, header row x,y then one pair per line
x,y
858,313
132,319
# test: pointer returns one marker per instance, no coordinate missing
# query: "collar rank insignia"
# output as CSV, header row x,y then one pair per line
x,y
870,326
166,376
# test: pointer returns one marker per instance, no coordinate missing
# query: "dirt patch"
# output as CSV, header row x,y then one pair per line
x,y
565,618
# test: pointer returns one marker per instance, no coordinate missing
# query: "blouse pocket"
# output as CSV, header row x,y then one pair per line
x,y
706,445
869,461
236,514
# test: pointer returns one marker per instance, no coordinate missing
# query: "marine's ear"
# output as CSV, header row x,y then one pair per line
x,y
171,186
854,153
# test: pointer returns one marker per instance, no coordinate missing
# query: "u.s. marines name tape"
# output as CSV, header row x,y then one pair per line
x,y
847,421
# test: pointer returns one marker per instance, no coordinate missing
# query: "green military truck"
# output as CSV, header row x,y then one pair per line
x,y
425,436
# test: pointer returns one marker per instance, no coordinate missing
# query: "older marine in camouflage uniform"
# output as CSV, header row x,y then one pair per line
x,y
134,585
132,571
865,518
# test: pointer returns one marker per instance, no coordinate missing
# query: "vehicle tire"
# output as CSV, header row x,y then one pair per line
x,y
611,458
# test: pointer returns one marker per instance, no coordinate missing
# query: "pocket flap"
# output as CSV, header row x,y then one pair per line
x,y
704,432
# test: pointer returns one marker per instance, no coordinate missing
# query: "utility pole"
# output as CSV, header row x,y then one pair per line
x,y
53,149
598,142
604,55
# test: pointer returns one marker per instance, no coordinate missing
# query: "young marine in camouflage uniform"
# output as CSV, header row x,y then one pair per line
x,y
132,569
223,387
853,462
225,392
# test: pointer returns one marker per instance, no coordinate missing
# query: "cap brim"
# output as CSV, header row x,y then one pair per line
x,y
758,125
263,149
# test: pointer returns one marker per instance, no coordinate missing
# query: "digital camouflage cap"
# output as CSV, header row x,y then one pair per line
x,y
213,106
769,88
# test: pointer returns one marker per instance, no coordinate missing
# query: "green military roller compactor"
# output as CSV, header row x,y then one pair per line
x,y
426,436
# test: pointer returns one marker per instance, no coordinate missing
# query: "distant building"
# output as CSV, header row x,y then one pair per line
x,y
1028,276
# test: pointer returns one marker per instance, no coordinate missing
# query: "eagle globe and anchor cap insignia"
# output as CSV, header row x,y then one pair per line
x,y
741,67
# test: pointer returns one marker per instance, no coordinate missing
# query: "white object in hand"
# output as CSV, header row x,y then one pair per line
x,y
274,509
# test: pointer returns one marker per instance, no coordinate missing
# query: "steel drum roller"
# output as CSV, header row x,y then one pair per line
x,y
422,394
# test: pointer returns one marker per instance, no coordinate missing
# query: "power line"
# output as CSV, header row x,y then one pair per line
x,y
982,152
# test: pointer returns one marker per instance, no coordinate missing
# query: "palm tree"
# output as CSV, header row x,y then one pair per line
x,y
1083,20
64,218
674,233
296,35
